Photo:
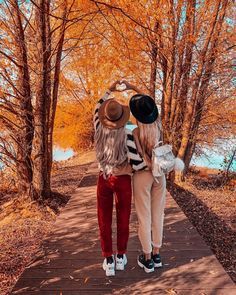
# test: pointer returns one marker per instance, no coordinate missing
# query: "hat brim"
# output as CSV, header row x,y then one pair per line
x,y
114,124
138,115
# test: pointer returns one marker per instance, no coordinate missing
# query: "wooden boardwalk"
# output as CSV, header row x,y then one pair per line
x,y
70,262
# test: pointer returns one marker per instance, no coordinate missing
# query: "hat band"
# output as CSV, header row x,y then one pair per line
x,y
115,120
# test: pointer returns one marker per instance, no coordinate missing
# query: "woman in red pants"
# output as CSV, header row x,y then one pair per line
x,y
110,118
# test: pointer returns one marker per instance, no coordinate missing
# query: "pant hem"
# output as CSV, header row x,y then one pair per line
x,y
157,246
147,252
107,254
121,252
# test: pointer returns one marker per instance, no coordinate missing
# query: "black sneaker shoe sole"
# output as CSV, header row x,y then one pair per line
x,y
158,265
147,270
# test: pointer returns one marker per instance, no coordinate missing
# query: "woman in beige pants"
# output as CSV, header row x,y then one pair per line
x,y
149,192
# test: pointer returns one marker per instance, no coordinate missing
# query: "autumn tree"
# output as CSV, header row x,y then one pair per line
x,y
90,68
188,48
32,47
16,99
180,52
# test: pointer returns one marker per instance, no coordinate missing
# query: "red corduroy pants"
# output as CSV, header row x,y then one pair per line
x,y
118,187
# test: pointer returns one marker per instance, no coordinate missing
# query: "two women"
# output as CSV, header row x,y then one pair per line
x,y
118,155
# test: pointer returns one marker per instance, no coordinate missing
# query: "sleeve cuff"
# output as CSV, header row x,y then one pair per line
x,y
108,91
106,95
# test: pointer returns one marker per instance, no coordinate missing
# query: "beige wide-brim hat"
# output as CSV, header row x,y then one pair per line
x,y
114,113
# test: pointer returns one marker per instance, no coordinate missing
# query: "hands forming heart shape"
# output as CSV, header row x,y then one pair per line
x,y
121,86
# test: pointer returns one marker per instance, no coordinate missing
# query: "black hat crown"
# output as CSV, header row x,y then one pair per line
x,y
143,108
146,105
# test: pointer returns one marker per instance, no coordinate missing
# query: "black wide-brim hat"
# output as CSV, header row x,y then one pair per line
x,y
143,108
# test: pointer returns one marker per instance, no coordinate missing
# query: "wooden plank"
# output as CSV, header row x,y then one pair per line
x,y
107,291
174,262
95,254
146,285
96,271
70,260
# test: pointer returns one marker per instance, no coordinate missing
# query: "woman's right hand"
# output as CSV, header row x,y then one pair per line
x,y
130,86
113,88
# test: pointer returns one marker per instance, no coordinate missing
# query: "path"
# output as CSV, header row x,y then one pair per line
x,y
70,262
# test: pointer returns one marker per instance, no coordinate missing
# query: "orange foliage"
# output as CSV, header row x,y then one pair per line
x,y
74,125
118,42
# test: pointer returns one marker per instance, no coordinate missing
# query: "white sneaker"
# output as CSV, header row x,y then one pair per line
x,y
121,262
109,268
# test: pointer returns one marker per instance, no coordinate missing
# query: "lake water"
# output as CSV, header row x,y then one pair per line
x,y
210,158
61,155
58,154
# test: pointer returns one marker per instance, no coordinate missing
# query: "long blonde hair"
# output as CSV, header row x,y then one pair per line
x,y
111,149
149,135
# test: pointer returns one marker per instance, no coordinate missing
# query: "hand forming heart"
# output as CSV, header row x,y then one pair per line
x,y
121,86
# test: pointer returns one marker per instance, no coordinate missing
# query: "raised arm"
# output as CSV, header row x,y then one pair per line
x,y
111,89
130,86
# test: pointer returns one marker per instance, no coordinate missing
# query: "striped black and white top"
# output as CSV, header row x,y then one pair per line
x,y
136,162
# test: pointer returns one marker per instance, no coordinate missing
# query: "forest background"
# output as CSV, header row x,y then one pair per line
x,y
58,58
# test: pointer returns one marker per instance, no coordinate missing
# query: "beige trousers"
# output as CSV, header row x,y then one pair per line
x,y
149,199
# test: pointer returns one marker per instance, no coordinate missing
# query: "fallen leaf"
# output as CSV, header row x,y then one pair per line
x,y
171,291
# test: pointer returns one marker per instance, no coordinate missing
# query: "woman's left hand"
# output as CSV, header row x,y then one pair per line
x,y
113,86
130,86
148,160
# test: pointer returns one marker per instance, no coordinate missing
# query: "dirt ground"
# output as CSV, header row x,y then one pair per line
x,y
212,210
23,225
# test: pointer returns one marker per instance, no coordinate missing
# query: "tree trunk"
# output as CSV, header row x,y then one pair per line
x,y
56,80
194,108
181,84
153,73
25,117
232,158
43,97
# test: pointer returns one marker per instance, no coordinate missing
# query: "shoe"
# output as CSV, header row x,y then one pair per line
x,y
121,262
157,260
109,266
148,264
